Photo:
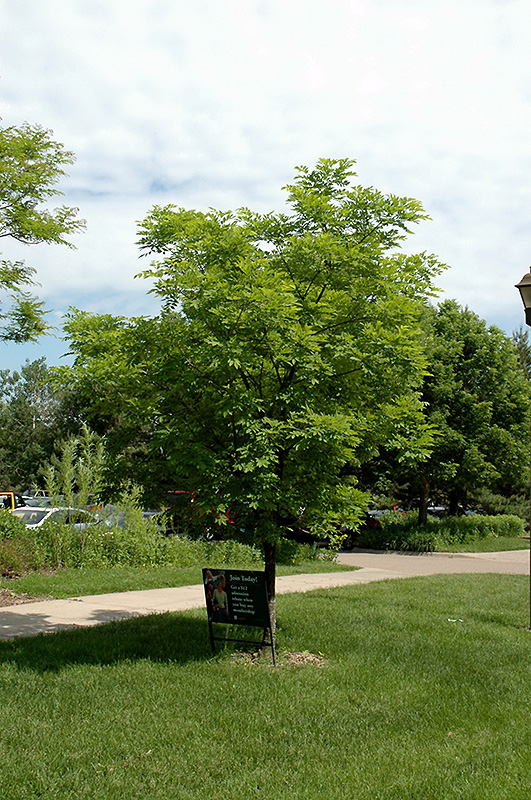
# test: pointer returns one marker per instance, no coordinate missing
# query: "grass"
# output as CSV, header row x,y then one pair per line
x,y
408,703
489,545
72,582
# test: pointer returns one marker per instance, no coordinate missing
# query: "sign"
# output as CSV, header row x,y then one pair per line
x,y
237,597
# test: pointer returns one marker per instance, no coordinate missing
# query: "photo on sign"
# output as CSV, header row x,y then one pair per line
x,y
237,597
216,593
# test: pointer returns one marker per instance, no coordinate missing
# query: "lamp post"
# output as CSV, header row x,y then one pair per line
x,y
524,288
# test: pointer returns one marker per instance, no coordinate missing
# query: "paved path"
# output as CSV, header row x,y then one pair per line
x,y
54,615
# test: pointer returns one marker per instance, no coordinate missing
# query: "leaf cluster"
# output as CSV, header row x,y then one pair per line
x,y
31,165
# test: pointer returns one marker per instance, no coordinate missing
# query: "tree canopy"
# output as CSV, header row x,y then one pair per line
x,y
286,349
31,164
31,421
477,398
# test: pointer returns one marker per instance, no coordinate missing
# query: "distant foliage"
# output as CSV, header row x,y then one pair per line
x,y
402,531
515,504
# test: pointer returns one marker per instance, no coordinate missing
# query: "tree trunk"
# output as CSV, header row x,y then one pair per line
x,y
453,508
424,498
270,552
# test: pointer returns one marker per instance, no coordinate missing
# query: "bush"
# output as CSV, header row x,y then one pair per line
x,y
293,553
495,504
459,530
139,543
18,553
402,531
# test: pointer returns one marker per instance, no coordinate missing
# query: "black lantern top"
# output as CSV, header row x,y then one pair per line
x,y
525,292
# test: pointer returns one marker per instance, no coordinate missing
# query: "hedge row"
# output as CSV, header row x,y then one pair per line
x,y
402,531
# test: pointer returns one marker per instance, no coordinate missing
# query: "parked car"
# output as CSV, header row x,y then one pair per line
x,y
11,500
34,516
185,518
370,521
296,529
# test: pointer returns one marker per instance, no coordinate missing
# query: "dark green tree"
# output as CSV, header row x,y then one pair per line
x,y
287,348
523,349
28,419
31,164
478,400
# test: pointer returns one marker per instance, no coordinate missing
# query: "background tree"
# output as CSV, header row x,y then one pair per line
x,y
523,349
286,349
478,400
33,416
31,164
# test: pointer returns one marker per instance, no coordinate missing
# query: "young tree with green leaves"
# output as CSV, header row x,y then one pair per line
x,y
75,472
31,165
287,348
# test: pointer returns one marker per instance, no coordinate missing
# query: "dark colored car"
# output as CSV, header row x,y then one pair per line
x,y
185,517
370,521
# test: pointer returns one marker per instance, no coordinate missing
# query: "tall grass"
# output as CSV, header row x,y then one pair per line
x,y
137,543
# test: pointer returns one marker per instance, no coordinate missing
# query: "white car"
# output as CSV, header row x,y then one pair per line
x,y
34,516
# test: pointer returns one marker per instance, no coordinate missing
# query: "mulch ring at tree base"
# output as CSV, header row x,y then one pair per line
x,y
283,659
8,598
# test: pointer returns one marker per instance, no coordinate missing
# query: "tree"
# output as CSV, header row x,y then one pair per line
x,y
31,419
478,400
286,349
523,348
31,164
75,472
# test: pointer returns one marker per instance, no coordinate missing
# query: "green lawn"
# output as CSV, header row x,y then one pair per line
x,y
73,582
424,694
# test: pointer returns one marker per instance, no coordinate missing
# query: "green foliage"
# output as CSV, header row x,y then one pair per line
x,y
10,526
402,531
479,401
286,350
75,476
32,419
523,349
31,164
57,546
493,503
477,404
291,552
18,552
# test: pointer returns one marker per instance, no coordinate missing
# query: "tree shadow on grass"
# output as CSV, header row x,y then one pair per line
x,y
170,637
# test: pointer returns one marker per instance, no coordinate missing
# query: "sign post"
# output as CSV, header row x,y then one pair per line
x,y
237,597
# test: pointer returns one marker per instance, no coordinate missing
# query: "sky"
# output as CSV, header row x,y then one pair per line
x,y
213,103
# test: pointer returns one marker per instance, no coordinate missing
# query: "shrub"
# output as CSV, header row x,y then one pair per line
x,y
139,543
293,553
11,527
402,531
495,504
467,529
18,552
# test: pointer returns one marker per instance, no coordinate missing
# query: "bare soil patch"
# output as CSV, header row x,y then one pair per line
x,y
8,598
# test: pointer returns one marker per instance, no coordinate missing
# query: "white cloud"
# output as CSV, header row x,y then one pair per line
x,y
213,104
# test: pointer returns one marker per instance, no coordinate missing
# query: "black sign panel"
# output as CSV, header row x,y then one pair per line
x,y
236,596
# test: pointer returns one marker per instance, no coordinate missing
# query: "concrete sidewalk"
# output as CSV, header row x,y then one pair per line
x,y
55,615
